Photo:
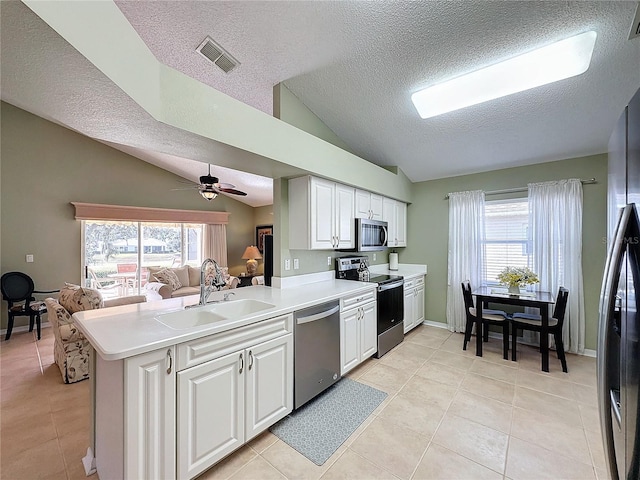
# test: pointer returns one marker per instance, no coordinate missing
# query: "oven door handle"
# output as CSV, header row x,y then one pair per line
x,y
389,286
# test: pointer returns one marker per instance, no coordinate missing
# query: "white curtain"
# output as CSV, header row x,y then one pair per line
x,y
555,222
215,243
466,251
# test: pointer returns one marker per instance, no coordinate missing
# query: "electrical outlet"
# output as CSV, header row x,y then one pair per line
x,y
29,258
374,257
287,264
296,264
329,261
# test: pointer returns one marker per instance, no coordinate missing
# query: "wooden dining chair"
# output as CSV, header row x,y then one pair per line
x,y
489,317
525,321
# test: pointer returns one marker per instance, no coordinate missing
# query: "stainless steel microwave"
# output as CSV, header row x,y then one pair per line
x,y
371,235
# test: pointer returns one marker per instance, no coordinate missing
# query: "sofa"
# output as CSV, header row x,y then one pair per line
x,y
179,282
71,349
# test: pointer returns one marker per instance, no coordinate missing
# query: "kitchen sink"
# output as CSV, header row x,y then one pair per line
x,y
212,313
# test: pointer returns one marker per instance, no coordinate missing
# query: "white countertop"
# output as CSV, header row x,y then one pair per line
x,y
128,330
407,270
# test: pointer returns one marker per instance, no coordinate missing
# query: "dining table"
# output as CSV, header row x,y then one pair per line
x,y
537,299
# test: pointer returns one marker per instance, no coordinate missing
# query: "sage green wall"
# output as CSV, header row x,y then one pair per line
x,y
288,108
263,215
46,166
428,219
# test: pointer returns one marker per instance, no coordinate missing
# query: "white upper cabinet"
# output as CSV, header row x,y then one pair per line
x,y
368,205
401,224
321,214
395,214
345,216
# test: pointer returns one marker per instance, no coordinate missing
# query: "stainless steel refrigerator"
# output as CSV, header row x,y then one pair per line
x,y
619,324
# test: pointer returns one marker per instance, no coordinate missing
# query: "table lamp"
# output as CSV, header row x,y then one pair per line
x,y
251,253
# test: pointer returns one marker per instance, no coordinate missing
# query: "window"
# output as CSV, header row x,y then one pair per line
x,y
114,251
506,243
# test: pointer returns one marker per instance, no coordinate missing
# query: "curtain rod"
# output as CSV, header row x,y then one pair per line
x,y
523,189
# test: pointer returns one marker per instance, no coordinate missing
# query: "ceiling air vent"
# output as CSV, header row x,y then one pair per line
x,y
217,55
635,26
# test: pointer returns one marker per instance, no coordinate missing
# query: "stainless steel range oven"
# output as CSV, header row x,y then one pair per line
x,y
390,300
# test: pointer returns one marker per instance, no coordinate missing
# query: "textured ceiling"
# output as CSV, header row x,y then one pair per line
x,y
355,65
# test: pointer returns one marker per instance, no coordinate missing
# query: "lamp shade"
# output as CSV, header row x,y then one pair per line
x,y
251,253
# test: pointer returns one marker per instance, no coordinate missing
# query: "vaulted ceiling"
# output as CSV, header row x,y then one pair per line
x,y
355,65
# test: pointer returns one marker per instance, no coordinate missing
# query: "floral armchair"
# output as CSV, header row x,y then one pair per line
x,y
71,348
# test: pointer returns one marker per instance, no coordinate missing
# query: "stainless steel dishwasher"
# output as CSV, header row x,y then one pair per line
x,y
316,351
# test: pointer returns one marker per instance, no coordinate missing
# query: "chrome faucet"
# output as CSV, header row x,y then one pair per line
x,y
216,284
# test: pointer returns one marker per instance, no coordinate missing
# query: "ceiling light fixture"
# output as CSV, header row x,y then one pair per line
x,y
564,59
208,192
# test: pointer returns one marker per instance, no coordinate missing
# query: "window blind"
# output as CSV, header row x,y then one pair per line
x,y
506,243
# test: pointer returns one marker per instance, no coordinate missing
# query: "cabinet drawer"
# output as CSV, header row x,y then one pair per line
x,y
419,281
204,349
409,284
357,300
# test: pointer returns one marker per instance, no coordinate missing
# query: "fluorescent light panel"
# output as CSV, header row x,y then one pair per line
x,y
564,59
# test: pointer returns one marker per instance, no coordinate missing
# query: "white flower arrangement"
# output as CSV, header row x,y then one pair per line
x,y
517,277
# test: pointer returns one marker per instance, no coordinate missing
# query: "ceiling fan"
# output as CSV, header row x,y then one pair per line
x,y
209,187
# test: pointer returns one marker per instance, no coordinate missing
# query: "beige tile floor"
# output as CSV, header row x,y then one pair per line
x,y
449,415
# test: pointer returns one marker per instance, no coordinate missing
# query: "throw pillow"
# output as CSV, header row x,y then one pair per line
x,y
75,298
194,276
169,277
183,275
152,273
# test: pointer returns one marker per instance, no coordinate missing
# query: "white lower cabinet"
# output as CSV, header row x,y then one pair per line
x,y
413,302
358,330
174,412
225,402
210,413
149,415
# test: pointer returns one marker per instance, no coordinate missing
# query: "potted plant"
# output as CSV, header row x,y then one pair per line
x,y
516,277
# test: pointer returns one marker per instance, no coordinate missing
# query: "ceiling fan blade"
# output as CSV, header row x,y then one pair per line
x,y
224,185
232,191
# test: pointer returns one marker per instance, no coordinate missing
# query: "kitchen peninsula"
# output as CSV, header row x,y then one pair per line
x,y
199,381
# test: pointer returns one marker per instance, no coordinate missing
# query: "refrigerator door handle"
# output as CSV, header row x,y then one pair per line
x,y
607,308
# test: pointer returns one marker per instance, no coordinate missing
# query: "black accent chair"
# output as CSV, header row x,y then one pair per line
x,y
489,317
18,289
524,321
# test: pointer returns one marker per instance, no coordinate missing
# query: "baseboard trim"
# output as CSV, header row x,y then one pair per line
x,y
431,323
24,328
